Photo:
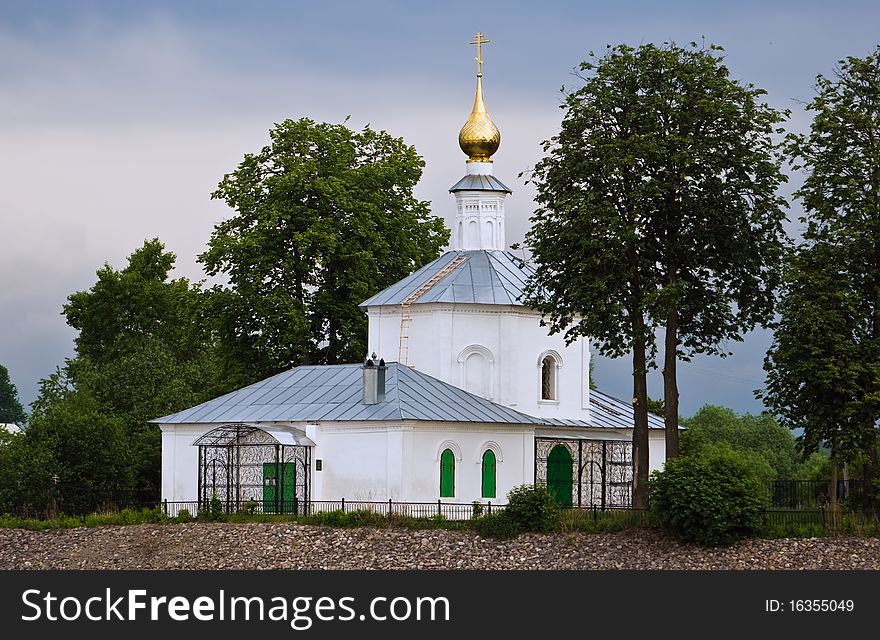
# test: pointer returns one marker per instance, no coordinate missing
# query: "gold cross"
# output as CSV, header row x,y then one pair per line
x,y
479,42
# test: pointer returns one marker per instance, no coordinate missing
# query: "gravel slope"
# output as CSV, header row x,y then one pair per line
x,y
290,546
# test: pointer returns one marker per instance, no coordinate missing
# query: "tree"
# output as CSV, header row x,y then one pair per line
x,y
815,370
657,208
841,198
86,448
142,352
11,410
712,214
325,217
758,437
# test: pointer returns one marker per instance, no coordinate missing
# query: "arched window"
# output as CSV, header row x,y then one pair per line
x,y
447,474
548,378
488,489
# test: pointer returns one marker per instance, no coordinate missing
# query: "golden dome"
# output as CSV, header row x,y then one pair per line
x,y
479,138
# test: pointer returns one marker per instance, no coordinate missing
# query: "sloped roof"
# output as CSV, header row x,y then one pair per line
x,y
610,412
479,183
335,392
484,277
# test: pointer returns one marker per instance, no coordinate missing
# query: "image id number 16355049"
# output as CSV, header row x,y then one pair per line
x,y
822,605
810,606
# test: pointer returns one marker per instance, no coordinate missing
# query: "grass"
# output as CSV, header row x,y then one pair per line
x,y
778,524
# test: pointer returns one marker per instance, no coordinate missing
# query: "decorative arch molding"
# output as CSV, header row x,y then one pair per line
x,y
475,348
484,352
553,353
452,446
548,376
494,447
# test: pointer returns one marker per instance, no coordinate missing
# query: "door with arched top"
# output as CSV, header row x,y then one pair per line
x,y
488,480
447,474
560,476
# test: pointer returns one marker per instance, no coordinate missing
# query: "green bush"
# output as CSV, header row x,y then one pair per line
x,y
532,508
713,499
604,521
339,518
495,525
184,515
249,507
214,512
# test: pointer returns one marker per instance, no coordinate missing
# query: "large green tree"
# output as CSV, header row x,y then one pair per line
x,y
835,282
324,218
142,351
759,438
11,410
657,208
815,369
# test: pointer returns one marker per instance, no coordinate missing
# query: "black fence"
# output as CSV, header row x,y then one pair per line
x,y
81,503
782,496
447,510
813,494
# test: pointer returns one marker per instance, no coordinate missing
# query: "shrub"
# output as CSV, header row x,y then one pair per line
x,y
357,518
495,525
214,512
713,499
532,508
604,521
249,507
184,515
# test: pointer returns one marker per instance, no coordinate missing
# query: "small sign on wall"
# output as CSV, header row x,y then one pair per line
x,y
319,464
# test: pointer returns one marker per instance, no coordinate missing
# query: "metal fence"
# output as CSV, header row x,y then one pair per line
x,y
812,494
447,510
789,501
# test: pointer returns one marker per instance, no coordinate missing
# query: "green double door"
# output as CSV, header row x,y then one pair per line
x,y
281,475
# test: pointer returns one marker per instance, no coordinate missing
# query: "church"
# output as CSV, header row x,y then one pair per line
x,y
464,397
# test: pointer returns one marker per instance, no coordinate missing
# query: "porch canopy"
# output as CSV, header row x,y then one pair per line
x,y
263,468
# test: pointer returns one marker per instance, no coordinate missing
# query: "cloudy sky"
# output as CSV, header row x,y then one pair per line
x,y
117,119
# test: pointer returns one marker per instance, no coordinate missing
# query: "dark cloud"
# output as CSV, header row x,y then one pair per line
x,y
118,119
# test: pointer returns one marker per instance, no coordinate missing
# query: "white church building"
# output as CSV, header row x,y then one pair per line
x,y
465,397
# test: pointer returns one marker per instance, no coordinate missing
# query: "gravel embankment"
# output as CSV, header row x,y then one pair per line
x,y
290,546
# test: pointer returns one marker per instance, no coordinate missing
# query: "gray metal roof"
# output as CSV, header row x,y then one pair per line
x,y
485,277
335,392
610,412
479,183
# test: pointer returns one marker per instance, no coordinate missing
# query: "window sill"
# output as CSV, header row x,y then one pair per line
x,y
551,402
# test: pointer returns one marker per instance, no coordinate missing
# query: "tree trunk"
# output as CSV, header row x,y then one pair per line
x,y
670,384
640,418
869,471
832,488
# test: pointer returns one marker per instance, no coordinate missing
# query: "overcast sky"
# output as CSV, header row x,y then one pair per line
x,y
117,120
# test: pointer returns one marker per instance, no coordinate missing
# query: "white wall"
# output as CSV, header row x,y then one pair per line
x,y
180,461
375,462
514,459
402,462
656,449
442,335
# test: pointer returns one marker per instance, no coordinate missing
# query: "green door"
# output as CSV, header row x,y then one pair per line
x,y
447,474
488,474
559,475
271,480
